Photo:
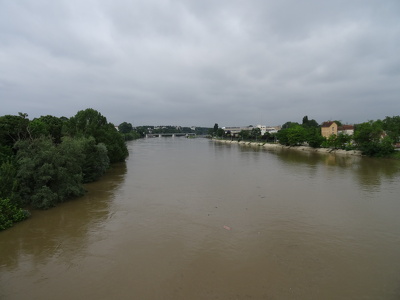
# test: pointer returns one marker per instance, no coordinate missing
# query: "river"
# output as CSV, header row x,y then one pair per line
x,y
194,219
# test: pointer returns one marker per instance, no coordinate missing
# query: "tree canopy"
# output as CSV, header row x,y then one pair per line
x,y
46,160
90,123
372,140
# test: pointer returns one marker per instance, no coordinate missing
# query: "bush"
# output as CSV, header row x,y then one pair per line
x,y
10,214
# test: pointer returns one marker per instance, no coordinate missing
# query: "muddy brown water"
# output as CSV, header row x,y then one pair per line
x,y
193,219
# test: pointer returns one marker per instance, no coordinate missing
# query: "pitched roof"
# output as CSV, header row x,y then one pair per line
x,y
327,124
346,127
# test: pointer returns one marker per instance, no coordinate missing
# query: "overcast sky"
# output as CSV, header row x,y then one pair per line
x,y
200,62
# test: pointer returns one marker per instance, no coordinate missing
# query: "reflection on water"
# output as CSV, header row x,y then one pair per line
x,y
49,233
300,225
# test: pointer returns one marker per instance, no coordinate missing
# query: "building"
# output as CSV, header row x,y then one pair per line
x,y
329,128
235,130
346,129
264,129
273,129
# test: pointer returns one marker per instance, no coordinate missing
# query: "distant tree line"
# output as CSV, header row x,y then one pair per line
x,y
131,132
295,134
128,132
374,138
46,160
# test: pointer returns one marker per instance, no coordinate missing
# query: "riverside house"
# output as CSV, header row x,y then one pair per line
x,y
346,129
329,128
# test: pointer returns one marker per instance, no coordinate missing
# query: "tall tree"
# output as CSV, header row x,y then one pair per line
x,y
314,137
309,123
289,124
255,133
215,128
13,129
125,127
49,126
90,122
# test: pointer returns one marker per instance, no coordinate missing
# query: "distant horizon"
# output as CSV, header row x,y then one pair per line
x,y
208,126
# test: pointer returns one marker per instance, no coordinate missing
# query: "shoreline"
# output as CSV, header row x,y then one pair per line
x,y
298,148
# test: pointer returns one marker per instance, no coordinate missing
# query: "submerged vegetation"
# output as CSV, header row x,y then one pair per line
x,y
46,160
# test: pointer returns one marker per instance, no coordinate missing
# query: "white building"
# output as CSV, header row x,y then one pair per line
x,y
263,129
273,129
235,130
346,129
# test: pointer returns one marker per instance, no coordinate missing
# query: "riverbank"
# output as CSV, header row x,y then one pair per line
x,y
298,148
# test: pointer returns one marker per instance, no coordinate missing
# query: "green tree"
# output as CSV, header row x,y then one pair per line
x,y
37,128
133,135
10,213
48,174
282,136
125,127
48,126
128,132
115,143
96,161
13,129
90,122
343,140
314,137
269,137
371,140
244,134
8,182
296,135
220,132
392,127
255,133
215,127
309,123
6,153
288,125
142,130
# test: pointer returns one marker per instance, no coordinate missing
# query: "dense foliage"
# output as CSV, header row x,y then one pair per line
x,y
90,123
294,134
128,132
10,213
46,160
373,138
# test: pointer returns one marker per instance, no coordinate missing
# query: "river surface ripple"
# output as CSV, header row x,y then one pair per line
x,y
194,219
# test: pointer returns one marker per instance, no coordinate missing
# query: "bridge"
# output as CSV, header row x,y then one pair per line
x,y
151,135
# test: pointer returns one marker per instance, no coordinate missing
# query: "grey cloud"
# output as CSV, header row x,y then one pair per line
x,y
201,62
